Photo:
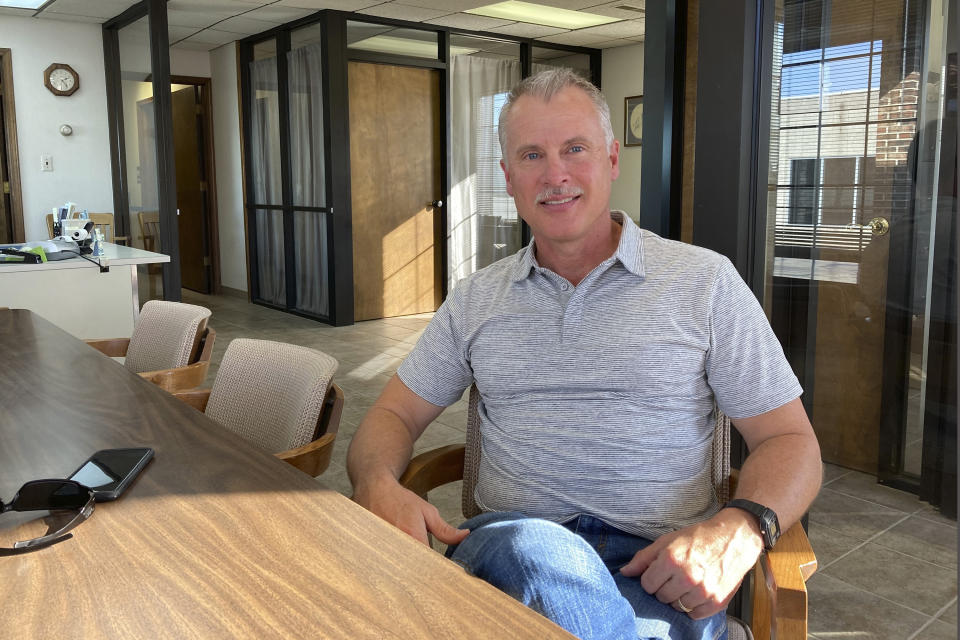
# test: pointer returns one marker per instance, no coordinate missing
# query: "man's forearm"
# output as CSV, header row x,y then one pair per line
x,y
380,450
784,474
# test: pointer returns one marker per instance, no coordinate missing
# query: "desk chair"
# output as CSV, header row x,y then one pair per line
x,y
278,396
171,345
779,602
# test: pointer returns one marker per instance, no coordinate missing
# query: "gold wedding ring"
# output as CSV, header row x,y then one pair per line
x,y
682,606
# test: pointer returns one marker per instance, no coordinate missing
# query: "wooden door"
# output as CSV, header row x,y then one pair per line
x,y
395,176
191,186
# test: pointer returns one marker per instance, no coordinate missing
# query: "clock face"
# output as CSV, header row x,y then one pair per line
x,y
62,80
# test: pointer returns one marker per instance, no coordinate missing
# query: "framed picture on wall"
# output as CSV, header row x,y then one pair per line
x,y
632,121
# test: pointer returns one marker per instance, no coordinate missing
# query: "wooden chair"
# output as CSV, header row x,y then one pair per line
x,y
278,396
104,222
779,598
150,230
171,345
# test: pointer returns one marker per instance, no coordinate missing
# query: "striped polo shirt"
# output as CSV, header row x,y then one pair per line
x,y
597,398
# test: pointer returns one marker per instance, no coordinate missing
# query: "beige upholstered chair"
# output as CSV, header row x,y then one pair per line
x,y
779,599
171,345
278,396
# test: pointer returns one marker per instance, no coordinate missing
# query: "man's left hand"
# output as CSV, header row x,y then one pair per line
x,y
699,567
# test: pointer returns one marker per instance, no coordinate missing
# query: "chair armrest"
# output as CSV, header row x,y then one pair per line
x,y
434,468
171,380
780,587
312,458
196,398
113,347
121,240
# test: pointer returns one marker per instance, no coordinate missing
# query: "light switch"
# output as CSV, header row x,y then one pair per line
x,y
46,163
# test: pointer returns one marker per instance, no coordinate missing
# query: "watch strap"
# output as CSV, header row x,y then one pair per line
x,y
766,518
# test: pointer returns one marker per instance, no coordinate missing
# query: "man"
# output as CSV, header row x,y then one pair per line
x,y
599,351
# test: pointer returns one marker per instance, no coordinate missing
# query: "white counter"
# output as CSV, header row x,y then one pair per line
x,y
76,296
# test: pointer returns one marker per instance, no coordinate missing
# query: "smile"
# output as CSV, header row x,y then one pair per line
x,y
561,201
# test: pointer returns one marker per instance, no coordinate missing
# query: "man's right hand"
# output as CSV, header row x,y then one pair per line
x,y
408,512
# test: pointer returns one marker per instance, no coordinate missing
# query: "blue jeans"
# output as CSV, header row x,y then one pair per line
x,y
570,574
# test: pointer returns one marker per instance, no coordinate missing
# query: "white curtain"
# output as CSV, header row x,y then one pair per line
x,y
482,220
265,147
305,74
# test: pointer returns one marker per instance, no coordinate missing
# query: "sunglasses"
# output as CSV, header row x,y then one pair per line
x,y
51,495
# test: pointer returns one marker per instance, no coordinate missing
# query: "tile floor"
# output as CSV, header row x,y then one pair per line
x,y
888,562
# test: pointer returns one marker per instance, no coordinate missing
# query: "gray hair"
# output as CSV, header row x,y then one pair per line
x,y
547,84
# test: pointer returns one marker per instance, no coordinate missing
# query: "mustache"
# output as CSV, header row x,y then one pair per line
x,y
561,192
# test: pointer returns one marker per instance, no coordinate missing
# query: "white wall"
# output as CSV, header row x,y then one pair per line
x,y
622,76
81,162
226,140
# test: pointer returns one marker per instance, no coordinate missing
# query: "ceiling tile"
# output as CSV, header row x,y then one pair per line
x,y
279,14
340,5
577,38
22,13
194,46
404,12
468,21
613,10
623,29
189,13
212,36
449,5
562,4
527,30
100,9
611,44
70,17
175,34
245,26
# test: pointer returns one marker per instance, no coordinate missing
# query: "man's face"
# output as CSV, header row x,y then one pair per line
x,y
558,166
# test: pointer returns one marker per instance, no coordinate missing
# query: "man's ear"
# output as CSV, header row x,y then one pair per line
x,y
614,159
506,175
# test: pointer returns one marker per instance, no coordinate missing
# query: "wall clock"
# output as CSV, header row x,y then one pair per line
x,y
633,121
61,79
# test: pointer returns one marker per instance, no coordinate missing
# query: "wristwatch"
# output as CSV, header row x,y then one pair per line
x,y
766,518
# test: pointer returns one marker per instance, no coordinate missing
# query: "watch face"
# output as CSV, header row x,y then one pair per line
x,y
62,80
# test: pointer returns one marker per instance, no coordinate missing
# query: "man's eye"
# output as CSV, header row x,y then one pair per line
x,y
532,155
576,148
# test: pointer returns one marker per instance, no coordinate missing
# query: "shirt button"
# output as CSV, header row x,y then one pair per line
x,y
564,286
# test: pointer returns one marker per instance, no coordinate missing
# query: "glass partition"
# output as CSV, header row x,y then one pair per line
x,y
482,221
379,38
140,145
858,99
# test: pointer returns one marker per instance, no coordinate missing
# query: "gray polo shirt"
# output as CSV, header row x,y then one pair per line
x,y
597,399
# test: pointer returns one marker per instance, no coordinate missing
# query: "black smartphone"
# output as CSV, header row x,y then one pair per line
x,y
110,471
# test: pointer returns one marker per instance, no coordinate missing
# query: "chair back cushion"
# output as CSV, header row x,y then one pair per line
x,y
166,335
720,460
271,393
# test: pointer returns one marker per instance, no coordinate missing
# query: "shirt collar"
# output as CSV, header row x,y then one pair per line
x,y
629,251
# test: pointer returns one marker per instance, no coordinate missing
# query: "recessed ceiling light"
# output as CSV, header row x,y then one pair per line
x,y
540,14
22,4
406,47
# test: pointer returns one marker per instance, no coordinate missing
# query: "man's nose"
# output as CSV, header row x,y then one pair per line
x,y
555,170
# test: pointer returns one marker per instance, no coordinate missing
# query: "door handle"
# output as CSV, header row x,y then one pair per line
x,y
878,226
435,203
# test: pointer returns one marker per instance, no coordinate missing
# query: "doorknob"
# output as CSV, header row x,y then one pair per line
x,y
435,203
878,226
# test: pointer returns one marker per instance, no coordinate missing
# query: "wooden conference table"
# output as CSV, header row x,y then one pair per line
x,y
215,539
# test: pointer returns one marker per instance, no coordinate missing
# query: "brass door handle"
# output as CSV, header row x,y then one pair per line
x,y
878,226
